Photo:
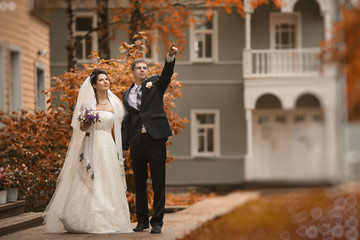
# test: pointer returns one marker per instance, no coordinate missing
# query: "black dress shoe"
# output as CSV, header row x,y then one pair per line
x,y
156,229
140,227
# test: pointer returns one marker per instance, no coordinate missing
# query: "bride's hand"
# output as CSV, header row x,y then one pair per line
x,y
85,126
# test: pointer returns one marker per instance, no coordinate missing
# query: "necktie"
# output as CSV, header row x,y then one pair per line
x,y
138,97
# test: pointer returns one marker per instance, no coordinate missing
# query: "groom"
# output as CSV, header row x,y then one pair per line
x,y
146,129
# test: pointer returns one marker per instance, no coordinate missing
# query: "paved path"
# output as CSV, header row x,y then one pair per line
x,y
176,224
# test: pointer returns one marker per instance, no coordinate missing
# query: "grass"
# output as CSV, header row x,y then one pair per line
x,y
302,214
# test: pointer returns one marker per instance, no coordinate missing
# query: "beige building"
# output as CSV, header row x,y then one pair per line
x,y
24,56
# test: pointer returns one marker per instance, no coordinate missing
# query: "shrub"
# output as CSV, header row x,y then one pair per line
x,y
38,141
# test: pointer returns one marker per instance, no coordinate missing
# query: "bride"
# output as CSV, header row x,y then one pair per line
x,y
90,196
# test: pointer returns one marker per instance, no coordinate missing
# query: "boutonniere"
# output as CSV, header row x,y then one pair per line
x,y
148,85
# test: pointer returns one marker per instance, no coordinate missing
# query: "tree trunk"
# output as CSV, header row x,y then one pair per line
x,y
103,25
136,21
70,47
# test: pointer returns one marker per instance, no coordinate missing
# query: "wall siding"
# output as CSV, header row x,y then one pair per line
x,y
20,29
225,97
231,38
260,26
311,22
205,172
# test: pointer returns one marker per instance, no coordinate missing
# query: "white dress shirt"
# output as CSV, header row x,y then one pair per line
x,y
133,93
132,96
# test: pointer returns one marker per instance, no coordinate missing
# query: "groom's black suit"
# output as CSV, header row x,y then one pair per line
x,y
149,147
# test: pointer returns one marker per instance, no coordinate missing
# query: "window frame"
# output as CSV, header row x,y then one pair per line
x,y
94,37
41,67
194,133
214,42
15,89
153,48
275,17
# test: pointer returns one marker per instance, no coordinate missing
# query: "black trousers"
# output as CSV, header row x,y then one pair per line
x,y
153,152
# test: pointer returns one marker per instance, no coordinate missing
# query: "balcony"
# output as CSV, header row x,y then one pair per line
x,y
261,63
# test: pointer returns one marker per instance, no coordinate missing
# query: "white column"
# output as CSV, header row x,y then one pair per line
x,y
329,70
334,168
248,30
327,25
247,63
250,151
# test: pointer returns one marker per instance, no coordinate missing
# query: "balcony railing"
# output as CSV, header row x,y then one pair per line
x,y
284,62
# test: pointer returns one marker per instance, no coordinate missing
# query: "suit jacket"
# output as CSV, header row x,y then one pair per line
x,y
151,112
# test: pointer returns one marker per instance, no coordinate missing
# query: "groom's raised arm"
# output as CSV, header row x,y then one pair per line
x,y
168,69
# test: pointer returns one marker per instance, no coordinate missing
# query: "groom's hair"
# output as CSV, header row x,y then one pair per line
x,y
138,60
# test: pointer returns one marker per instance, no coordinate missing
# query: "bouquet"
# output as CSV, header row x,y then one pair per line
x,y
89,116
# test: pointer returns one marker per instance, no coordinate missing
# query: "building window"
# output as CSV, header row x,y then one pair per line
x,y
40,86
263,119
150,53
203,38
317,118
284,36
280,119
205,133
83,23
299,118
15,80
284,30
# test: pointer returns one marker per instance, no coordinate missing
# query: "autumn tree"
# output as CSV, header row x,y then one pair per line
x,y
163,20
36,142
344,50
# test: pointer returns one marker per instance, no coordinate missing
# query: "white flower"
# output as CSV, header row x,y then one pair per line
x,y
302,222
352,200
352,234
316,213
324,228
337,231
312,232
352,222
340,203
301,231
148,85
285,235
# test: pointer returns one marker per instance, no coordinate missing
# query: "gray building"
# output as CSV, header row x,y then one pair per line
x,y
261,106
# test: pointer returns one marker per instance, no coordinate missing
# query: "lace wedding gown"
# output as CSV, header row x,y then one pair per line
x,y
104,207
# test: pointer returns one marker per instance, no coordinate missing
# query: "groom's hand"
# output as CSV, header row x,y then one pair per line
x,y
173,51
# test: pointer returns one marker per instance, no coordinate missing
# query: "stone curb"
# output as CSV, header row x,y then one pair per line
x,y
176,225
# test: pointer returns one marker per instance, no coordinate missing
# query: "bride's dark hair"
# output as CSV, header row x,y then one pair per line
x,y
93,79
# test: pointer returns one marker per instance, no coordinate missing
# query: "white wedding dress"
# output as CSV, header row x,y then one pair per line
x,y
103,208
